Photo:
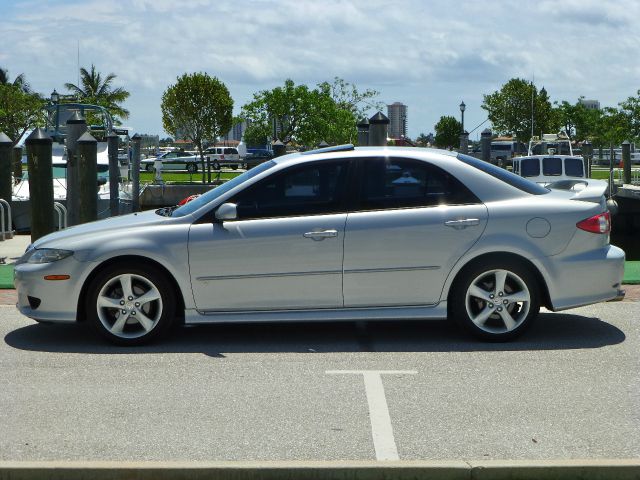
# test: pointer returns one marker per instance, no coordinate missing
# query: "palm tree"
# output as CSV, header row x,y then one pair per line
x,y
19,81
95,89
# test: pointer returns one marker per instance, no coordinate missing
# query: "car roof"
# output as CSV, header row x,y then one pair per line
x,y
342,151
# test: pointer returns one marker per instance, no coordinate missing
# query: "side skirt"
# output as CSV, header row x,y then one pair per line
x,y
419,312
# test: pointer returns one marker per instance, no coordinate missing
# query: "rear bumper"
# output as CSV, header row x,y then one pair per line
x,y
586,278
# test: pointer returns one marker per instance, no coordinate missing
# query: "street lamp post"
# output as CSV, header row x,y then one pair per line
x,y
55,99
463,107
464,144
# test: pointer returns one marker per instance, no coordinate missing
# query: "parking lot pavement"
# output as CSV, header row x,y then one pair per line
x,y
325,391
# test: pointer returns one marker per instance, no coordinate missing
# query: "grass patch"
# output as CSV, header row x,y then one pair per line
x,y
6,276
631,273
149,177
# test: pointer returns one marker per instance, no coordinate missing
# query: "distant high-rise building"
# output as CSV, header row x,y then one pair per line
x,y
237,131
590,104
397,113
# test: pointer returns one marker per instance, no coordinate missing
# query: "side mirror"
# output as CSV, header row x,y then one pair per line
x,y
227,211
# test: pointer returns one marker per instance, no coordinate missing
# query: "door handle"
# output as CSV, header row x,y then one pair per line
x,y
463,223
321,235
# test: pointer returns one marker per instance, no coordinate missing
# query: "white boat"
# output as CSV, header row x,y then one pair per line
x,y
100,125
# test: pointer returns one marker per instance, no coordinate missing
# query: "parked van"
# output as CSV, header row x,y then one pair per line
x,y
224,157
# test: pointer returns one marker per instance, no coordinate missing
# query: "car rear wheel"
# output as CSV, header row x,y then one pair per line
x,y
215,166
192,168
149,167
131,305
495,301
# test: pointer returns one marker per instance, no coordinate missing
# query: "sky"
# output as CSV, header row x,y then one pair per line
x,y
429,54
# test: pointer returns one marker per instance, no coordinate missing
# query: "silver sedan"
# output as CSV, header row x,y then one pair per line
x,y
337,234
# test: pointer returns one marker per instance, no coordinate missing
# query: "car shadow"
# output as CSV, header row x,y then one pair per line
x,y
551,331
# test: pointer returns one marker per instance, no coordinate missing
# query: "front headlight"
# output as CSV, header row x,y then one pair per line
x,y
44,255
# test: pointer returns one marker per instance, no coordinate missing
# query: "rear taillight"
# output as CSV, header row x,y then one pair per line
x,y
597,224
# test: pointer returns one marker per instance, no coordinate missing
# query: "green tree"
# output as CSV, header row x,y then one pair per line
x,y
425,140
20,81
630,108
19,110
510,110
97,90
612,128
447,132
197,108
347,97
297,114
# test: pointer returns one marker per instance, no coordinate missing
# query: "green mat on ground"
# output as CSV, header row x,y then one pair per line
x,y
6,276
631,273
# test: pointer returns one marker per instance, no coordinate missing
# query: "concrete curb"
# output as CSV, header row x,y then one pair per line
x,y
622,469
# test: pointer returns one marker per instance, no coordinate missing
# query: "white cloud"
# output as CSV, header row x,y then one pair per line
x,y
427,54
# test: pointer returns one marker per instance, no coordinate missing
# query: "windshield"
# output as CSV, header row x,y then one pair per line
x,y
504,175
195,204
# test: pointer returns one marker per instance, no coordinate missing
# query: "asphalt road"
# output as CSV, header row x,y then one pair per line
x,y
569,389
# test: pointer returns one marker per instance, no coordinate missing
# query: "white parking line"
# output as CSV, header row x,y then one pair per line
x,y
381,429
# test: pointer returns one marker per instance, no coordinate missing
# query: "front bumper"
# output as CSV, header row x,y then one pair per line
x,y
49,300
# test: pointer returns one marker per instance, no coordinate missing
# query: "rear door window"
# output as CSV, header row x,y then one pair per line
x,y
389,183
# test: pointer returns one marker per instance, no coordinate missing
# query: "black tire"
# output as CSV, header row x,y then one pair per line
x,y
192,167
234,167
215,166
474,296
158,314
149,167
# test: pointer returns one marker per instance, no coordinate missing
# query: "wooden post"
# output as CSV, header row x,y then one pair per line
x,y
485,144
378,130
135,173
17,163
76,126
626,162
88,181
40,183
363,132
6,157
114,175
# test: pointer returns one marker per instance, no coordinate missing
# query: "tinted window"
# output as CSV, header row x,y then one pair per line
x,y
574,167
530,167
401,183
230,151
501,147
500,173
311,189
552,166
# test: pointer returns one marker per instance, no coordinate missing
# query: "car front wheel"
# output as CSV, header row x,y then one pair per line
x,y
131,305
495,301
149,167
192,168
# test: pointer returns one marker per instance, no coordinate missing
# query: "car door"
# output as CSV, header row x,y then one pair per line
x,y
412,224
170,161
284,251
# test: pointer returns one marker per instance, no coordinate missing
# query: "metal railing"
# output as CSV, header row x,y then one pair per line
x,y
61,210
3,226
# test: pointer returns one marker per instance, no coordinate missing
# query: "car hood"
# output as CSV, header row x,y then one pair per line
x,y
69,236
